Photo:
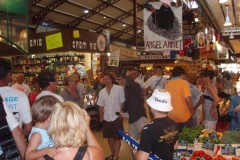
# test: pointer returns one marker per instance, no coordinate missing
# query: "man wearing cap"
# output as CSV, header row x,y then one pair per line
x,y
181,99
161,136
234,109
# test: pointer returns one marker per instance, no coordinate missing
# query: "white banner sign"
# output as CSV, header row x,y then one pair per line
x,y
162,27
222,52
114,58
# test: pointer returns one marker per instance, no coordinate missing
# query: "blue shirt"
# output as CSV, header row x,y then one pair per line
x,y
46,140
235,121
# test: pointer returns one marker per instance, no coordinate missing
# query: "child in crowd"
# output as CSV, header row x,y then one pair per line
x,y
40,144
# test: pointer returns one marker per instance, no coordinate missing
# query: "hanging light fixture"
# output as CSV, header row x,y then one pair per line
x,y
222,1
227,20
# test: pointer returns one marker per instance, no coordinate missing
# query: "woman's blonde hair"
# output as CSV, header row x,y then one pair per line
x,y
71,77
68,125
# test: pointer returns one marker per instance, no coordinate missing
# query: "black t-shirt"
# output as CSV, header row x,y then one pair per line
x,y
159,137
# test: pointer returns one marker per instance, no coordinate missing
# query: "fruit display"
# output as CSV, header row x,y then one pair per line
x,y
230,137
200,155
190,134
213,136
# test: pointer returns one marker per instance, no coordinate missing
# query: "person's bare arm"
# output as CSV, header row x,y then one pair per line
x,y
27,129
199,103
176,145
92,141
100,114
216,100
141,155
19,140
189,103
146,90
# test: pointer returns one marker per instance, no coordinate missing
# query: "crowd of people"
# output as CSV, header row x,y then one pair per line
x,y
57,126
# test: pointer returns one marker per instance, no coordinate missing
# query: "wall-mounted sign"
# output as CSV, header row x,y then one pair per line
x,y
54,41
67,40
114,58
123,50
162,27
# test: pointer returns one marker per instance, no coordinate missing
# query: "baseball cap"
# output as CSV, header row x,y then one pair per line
x,y
160,100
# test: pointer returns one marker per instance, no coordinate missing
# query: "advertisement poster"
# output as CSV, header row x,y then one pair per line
x,y
114,58
222,52
162,27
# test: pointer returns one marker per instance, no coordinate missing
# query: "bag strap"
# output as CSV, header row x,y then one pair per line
x,y
80,153
158,83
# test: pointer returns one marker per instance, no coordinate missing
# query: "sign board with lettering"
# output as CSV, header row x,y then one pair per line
x,y
114,58
67,40
162,27
123,51
54,41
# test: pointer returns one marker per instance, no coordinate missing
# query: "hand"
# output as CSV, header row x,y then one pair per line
x,y
51,152
100,119
128,73
87,117
237,108
215,115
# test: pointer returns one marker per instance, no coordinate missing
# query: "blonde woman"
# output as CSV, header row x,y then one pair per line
x,y
69,129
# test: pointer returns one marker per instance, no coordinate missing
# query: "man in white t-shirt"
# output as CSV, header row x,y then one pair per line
x,y
110,101
20,85
47,80
16,131
157,81
16,100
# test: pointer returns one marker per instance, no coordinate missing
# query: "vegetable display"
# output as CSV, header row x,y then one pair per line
x,y
189,134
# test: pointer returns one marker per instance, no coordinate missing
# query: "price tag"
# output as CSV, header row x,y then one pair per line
x,y
213,135
228,150
176,156
208,145
183,145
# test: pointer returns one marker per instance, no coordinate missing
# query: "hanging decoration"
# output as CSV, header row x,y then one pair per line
x,y
163,27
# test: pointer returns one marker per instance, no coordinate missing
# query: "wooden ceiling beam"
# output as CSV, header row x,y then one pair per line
x,y
120,18
40,15
96,10
35,2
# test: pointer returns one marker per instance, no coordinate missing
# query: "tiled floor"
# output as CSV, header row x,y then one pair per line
x,y
125,151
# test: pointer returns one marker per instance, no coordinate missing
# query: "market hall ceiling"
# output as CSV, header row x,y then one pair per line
x,y
102,14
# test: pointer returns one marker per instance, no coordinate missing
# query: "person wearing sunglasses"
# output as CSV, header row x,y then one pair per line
x,y
70,92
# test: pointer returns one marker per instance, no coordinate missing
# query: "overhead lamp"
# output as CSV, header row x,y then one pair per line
x,y
222,1
196,19
123,24
139,30
227,22
86,11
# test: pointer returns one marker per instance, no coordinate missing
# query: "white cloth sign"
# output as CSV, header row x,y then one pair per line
x,y
162,27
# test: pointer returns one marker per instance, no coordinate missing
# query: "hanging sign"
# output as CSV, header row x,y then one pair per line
x,y
123,50
114,58
54,41
222,52
163,27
